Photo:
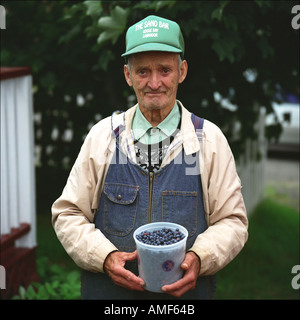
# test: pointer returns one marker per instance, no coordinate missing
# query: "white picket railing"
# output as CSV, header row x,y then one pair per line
x,y
17,154
252,170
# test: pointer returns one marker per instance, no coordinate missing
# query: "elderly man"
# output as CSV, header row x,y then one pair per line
x,y
154,162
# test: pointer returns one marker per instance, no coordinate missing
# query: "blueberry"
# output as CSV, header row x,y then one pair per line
x,y
162,236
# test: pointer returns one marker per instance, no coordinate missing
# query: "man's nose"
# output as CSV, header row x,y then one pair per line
x,y
154,81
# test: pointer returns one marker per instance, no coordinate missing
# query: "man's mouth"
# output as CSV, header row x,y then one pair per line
x,y
153,93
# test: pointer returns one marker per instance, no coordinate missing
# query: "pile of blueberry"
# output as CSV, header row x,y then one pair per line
x,y
161,237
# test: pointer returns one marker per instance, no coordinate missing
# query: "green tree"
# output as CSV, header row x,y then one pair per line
x,y
242,50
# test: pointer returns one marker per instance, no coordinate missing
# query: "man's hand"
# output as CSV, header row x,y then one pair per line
x,y
191,265
114,267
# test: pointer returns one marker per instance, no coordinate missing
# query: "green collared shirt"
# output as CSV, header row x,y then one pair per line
x,y
145,133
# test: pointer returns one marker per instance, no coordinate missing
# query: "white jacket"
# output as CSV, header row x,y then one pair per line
x,y
73,212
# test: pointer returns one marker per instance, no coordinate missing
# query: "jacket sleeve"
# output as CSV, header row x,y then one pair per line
x,y
72,215
227,230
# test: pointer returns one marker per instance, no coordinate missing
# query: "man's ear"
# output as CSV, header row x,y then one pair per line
x,y
127,75
183,71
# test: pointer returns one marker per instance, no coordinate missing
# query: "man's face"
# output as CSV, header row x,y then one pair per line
x,y
154,77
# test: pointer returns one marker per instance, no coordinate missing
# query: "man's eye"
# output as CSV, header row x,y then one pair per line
x,y
166,71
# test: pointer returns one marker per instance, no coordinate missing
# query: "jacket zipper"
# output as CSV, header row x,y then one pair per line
x,y
151,176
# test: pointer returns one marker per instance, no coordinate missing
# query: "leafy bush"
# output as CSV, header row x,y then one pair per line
x,y
57,283
246,52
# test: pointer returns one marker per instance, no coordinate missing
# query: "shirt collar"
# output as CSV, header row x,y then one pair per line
x,y
170,123
141,125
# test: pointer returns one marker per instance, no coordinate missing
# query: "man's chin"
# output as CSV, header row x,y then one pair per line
x,y
154,104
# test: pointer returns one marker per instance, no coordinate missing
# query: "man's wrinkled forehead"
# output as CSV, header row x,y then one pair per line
x,y
157,58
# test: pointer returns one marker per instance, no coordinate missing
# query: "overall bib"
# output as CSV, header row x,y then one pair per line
x,y
132,197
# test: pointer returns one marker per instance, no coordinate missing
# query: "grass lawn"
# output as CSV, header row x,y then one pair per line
x,y
48,244
261,271
263,268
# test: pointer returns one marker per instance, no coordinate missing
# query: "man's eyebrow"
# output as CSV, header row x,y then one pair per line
x,y
167,66
160,66
138,68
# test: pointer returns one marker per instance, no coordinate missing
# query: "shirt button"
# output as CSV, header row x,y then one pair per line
x,y
153,131
119,197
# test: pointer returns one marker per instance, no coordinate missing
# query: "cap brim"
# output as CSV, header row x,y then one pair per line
x,y
152,47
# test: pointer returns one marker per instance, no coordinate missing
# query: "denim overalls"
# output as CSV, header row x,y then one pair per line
x,y
132,197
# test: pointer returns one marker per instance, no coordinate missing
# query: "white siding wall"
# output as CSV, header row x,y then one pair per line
x,y
17,158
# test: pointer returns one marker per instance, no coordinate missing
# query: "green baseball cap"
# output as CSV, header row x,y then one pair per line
x,y
154,34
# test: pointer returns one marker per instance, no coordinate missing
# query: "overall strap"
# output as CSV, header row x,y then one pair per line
x,y
198,125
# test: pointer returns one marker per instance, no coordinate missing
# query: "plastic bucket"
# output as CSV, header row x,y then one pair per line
x,y
160,265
